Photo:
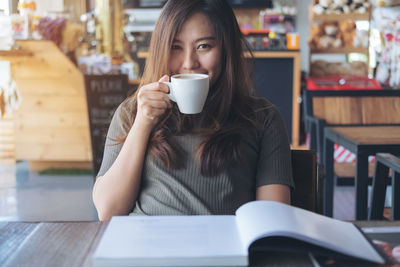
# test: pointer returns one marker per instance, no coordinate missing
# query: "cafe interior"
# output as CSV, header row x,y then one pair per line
x,y
331,67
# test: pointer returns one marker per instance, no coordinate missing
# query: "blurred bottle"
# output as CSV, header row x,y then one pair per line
x,y
292,41
34,27
27,8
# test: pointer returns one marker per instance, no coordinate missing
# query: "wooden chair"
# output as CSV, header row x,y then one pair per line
x,y
308,179
384,162
347,107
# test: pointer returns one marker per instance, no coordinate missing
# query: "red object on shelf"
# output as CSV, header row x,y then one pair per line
x,y
254,31
343,83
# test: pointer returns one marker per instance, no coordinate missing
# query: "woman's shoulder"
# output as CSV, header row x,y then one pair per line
x,y
260,102
269,118
263,109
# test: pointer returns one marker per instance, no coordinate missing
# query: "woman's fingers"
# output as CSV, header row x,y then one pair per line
x,y
157,86
155,91
164,78
153,95
147,97
153,101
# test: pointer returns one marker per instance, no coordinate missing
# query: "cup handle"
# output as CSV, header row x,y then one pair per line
x,y
171,92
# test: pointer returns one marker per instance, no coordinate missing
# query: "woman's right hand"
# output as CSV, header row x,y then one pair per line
x,y
152,102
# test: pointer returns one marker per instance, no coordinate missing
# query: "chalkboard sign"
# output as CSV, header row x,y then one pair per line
x,y
273,78
104,93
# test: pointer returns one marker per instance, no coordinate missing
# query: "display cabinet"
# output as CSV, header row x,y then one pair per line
x,y
343,41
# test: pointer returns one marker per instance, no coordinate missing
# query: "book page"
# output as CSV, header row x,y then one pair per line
x,y
260,219
176,240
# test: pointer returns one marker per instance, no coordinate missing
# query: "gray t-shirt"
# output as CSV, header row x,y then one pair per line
x,y
265,160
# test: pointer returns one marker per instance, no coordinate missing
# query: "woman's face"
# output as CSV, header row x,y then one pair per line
x,y
195,49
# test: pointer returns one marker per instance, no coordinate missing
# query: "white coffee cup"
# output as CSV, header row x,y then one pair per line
x,y
189,91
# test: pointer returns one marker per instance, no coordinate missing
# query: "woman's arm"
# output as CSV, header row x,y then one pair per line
x,y
275,192
115,192
274,168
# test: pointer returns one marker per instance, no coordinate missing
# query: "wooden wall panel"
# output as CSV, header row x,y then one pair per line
x,y
53,152
357,110
51,123
43,120
48,87
56,104
7,140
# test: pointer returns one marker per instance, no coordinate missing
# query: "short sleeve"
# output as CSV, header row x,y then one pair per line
x,y
117,131
274,164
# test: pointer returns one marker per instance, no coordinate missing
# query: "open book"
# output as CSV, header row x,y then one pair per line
x,y
386,239
224,240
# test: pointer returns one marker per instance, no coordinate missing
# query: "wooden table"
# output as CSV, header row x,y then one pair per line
x,y
363,141
73,244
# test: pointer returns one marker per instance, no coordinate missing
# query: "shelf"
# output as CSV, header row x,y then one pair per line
x,y
344,50
338,17
273,54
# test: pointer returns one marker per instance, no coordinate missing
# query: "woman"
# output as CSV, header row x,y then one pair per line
x,y
158,161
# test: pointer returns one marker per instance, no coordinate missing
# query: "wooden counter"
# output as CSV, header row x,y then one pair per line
x,y
51,124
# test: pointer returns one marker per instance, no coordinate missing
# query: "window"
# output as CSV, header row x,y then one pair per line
x,y
5,7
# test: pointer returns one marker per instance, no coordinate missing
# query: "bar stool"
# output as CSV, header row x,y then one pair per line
x,y
384,162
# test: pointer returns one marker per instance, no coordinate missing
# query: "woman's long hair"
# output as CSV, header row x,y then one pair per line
x,y
228,111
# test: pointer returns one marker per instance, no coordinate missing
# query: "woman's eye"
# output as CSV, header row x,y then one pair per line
x,y
175,47
204,46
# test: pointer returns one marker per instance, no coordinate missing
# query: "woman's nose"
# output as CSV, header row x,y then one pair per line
x,y
190,61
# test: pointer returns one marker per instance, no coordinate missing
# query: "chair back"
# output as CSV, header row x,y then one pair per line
x,y
308,180
384,162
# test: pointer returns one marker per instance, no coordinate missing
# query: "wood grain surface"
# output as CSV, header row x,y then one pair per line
x,y
357,110
53,244
53,101
371,135
12,237
73,244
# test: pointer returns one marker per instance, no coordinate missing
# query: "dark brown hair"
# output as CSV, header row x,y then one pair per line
x,y
228,112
